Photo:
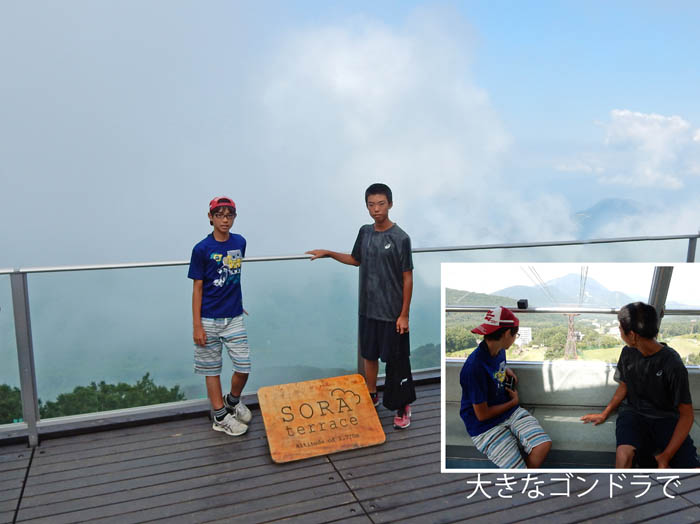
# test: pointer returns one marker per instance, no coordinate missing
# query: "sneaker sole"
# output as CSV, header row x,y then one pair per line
x,y
231,433
402,427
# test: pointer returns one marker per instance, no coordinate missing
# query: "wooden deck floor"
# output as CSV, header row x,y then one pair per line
x,y
182,471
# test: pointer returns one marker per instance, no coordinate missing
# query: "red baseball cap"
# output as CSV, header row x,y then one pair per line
x,y
221,201
496,319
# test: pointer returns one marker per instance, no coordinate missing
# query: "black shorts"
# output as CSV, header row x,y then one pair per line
x,y
650,436
379,339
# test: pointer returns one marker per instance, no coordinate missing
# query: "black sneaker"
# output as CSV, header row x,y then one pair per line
x,y
375,398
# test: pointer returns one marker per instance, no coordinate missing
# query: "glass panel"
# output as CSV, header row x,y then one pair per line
x,y
111,326
542,337
684,290
545,336
425,311
682,333
10,399
303,320
427,265
118,325
639,251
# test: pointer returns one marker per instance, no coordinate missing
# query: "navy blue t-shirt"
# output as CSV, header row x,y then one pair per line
x,y
218,265
481,379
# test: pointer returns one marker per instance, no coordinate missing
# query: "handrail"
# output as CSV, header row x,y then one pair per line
x,y
556,243
611,311
133,265
23,331
474,247
484,309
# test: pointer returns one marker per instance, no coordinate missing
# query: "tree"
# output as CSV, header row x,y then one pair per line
x,y
554,353
673,328
105,397
693,359
594,340
459,338
10,404
425,356
553,337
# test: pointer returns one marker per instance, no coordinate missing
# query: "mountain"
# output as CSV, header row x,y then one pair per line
x,y
564,291
455,297
605,212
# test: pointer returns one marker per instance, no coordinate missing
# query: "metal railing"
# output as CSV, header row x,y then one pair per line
x,y
603,310
657,296
690,257
23,329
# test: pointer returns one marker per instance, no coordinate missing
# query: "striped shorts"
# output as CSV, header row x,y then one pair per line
x,y
229,332
500,443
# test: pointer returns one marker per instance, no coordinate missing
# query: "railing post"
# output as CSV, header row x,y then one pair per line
x,y
692,245
25,354
659,289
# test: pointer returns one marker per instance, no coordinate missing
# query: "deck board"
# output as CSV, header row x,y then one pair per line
x,y
182,471
175,492
14,461
691,514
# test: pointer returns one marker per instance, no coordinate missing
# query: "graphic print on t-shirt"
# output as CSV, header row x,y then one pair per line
x,y
229,269
500,375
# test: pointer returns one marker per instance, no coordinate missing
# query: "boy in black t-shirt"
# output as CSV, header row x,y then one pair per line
x,y
383,252
656,410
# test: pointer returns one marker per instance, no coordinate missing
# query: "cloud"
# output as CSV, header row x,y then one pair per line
x,y
643,149
657,219
579,166
349,104
393,104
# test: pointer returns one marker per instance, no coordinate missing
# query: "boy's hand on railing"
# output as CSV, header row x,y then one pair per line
x,y
317,253
199,336
595,418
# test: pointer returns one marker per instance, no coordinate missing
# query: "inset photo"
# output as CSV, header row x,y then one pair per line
x,y
570,366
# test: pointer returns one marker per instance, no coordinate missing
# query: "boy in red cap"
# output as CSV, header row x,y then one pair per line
x,y
490,409
217,316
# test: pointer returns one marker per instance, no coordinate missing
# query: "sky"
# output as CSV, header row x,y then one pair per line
x,y
632,279
492,122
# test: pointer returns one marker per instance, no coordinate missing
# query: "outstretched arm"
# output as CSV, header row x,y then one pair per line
x,y
402,321
618,397
345,258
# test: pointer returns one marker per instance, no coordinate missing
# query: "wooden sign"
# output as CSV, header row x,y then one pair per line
x,y
317,417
